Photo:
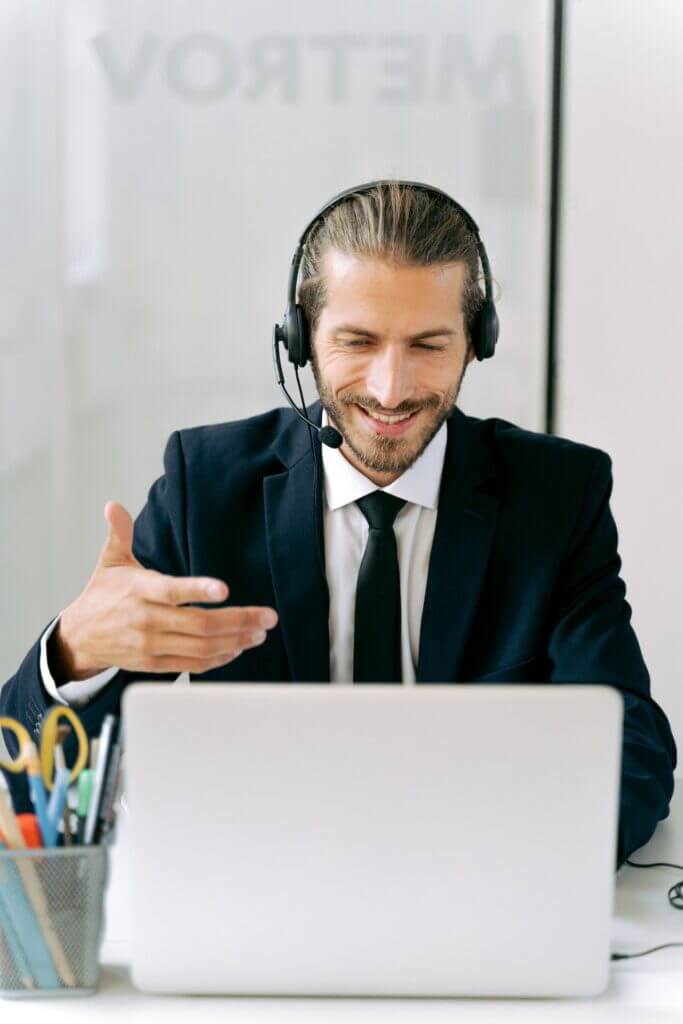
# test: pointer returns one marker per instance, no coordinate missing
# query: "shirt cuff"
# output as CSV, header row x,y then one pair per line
x,y
78,691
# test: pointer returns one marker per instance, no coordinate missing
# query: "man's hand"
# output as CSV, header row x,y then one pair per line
x,y
131,617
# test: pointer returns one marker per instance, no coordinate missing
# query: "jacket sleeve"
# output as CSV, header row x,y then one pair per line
x,y
592,640
159,542
77,691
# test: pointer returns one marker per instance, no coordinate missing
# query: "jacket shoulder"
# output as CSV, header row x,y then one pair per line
x,y
519,450
245,440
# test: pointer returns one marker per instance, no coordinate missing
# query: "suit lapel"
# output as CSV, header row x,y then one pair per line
x,y
301,592
465,527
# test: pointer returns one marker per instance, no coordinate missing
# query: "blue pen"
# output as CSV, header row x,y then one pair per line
x,y
55,807
26,927
12,939
36,789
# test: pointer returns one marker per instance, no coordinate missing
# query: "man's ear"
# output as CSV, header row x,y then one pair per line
x,y
470,353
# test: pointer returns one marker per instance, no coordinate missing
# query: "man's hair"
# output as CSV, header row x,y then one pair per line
x,y
394,223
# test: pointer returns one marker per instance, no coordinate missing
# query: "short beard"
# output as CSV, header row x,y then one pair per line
x,y
383,454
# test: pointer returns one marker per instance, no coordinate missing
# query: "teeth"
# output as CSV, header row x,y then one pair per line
x,y
388,419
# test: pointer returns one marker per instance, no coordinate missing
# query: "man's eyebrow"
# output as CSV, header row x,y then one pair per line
x,y
433,332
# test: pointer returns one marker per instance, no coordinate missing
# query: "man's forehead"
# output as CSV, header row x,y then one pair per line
x,y
340,268
360,290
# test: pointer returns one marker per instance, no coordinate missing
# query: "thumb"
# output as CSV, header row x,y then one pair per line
x,y
118,547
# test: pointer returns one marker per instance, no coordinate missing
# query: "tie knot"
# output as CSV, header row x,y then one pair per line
x,y
380,509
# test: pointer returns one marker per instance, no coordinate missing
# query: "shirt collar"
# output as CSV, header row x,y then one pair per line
x,y
419,484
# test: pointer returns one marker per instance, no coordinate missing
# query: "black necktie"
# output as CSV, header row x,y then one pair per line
x,y
377,619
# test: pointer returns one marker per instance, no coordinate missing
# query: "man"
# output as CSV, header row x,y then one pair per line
x,y
501,540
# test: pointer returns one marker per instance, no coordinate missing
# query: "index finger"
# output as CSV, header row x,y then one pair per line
x,y
210,621
163,589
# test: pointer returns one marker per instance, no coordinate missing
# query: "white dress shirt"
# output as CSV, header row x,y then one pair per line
x,y
345,536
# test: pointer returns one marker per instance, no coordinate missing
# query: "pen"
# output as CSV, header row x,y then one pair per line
x,y
55,807
105,817
12,939
16,927
66,823
85,783
60,785
37,932
37,791
63,732
108,736
30,830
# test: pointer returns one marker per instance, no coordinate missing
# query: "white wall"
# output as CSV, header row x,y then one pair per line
x,y
621,356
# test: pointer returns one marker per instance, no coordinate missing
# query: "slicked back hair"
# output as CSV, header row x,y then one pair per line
x,y
397,224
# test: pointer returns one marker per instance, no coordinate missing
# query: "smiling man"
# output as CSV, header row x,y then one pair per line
x,y
455,548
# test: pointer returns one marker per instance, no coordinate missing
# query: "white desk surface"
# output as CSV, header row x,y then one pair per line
x,y
648,989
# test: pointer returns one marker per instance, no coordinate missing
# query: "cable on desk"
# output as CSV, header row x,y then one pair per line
x,y
631,956
655,864
675,895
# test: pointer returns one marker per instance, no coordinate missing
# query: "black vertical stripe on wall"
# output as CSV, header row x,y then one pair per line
x,y
554,226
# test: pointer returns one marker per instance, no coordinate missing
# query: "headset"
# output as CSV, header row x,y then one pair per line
x,y
294,330
294,334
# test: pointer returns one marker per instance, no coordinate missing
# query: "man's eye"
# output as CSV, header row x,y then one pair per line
x,y
431,348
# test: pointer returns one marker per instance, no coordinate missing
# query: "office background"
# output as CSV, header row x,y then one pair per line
x,y
162,159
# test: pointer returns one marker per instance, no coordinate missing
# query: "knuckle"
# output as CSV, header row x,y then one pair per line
x,y
137,641
144,643
204,648
139,618
145,619
207,623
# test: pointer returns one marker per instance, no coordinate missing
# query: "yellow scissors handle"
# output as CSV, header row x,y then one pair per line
x,y
22,737
48,741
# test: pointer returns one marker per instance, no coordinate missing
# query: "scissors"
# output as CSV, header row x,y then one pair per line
x,y
48,742
40,770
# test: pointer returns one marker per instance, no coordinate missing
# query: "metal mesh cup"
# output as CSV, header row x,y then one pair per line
x,y
51,920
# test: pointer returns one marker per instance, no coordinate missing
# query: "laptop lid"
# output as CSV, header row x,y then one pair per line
x,y
433,840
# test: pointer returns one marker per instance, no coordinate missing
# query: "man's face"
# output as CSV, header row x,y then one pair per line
x,y
382,365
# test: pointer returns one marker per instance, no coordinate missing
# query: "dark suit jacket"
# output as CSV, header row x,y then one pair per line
x,y
523,581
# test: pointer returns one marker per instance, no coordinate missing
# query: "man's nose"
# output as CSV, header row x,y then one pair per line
x,y
389,380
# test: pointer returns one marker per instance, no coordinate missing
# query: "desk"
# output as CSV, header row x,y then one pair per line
x,y
648,989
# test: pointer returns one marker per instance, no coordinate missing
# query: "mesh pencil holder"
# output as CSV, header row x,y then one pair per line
x,y
51,920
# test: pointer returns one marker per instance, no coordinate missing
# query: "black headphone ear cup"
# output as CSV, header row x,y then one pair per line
x,y
485,331
297,333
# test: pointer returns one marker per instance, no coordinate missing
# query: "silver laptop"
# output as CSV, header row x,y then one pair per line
x,y
429,840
